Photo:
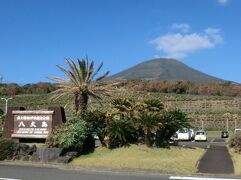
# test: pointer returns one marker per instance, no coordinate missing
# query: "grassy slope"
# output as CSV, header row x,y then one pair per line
x,y
175,159
236,162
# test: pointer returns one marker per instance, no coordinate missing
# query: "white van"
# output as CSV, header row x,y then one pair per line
x,y
184,134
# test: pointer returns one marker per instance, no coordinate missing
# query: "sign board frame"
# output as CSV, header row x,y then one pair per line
x,y
32,124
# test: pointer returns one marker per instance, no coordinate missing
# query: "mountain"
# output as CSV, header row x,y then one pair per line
x,y
164,69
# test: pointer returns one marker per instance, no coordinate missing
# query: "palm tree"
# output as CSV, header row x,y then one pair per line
x,y
172,120
154,105
126,107
81,83
149,122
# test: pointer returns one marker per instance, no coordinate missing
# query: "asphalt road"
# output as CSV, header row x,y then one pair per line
x,y
216,160
200,144
41,173
16,172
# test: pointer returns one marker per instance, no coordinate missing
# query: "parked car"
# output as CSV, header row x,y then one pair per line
x,y
237,130
184,134
224,134
200,136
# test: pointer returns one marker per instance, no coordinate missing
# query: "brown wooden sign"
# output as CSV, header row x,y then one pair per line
x,y
32,124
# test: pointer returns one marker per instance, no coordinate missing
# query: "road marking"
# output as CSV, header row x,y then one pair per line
x,y
8,179
197,178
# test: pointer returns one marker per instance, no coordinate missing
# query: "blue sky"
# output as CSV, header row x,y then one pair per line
x,y
37,35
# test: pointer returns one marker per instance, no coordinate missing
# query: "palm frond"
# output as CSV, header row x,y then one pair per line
x,y
75,70
59,80
97,71
90,70
69,74
83,68
103,76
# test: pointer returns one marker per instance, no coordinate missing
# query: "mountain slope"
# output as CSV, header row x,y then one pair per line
x,y
164,69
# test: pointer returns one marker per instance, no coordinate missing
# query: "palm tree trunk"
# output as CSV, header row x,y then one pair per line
x,y
81,102
148,139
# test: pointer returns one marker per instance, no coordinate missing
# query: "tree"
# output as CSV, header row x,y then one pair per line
x,y
126,107
121,132
154,105
172,120
81,83
97,123
149,122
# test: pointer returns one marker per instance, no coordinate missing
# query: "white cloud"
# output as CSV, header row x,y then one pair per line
x,y
222,2
182,27
214,34
179,45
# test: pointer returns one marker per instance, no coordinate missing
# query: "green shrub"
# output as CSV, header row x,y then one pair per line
x,y
1,122
1,132
96,123
235,142
1,112
121,132
88,145
70,136
7,147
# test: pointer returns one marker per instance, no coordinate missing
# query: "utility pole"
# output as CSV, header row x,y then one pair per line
x,y
6,103
227,124
228,116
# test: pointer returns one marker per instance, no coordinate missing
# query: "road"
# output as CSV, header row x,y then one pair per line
x,y
216,160
16,172
200,144
41,173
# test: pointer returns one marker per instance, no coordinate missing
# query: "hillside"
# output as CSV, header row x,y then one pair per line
x,y
164,69
210,109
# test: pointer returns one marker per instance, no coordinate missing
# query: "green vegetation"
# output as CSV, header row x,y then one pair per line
x,y
149,123
138,122
235,142
1,121
121,132
96,123
173,160
70,136
172,120
6,149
